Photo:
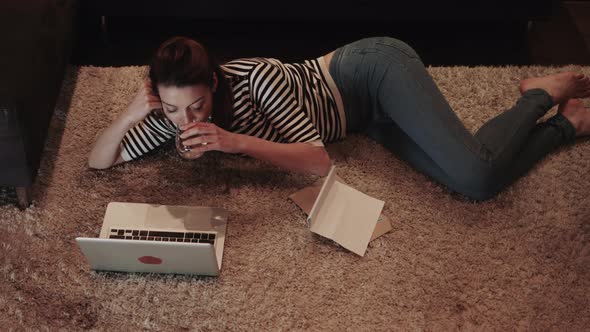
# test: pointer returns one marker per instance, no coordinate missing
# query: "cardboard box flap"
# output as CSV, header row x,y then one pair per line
x,y
342,213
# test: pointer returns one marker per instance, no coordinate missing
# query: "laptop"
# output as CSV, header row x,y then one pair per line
x,y
139,237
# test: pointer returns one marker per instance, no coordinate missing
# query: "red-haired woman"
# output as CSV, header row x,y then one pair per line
x,y
283,113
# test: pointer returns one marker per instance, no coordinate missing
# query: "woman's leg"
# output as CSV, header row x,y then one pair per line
x,y
540,142
400,90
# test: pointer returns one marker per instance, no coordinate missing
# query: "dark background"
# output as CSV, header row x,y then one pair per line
x,y
485,36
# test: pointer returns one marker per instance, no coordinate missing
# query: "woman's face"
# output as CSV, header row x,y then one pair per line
x,y
183,105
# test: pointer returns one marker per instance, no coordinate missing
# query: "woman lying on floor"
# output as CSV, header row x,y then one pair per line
x,y
284,112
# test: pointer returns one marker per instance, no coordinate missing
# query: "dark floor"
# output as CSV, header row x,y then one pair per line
x,y
122,41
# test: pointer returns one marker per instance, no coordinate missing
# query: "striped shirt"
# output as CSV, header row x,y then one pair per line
x,y
274,101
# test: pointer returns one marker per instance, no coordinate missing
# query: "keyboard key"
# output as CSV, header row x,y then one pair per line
x,y
135,233
143,233
211,236
116,237
167,234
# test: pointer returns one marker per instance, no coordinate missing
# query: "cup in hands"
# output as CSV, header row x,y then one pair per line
x,y
180,147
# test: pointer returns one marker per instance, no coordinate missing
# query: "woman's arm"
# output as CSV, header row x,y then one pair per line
x,y
106,151
298,157
107,148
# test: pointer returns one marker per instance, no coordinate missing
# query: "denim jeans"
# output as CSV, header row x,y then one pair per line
x,y
389,95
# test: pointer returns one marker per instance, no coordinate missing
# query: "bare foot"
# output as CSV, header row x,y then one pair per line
x,y
560,86
578,115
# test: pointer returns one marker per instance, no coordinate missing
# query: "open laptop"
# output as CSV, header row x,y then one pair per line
x,y
138,237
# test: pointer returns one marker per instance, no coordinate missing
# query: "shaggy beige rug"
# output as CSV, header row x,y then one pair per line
x,y
520,261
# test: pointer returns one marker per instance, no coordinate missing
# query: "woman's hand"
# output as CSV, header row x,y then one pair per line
x,y
143,103
202,137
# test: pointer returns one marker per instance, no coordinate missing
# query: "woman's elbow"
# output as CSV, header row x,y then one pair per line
x,y
324,164
96,165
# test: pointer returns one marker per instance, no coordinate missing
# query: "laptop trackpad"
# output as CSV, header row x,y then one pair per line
x,y
179,218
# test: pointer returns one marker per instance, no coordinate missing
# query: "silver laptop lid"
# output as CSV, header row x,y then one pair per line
x,y
150,256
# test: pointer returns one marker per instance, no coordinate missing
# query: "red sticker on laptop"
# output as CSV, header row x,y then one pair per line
x,y
150,260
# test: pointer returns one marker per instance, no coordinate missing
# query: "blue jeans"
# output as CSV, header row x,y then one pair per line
x,y
389,95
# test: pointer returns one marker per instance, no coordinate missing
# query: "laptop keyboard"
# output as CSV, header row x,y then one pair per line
x,y
145,235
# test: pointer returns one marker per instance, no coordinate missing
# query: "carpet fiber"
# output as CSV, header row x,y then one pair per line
x,y
519,261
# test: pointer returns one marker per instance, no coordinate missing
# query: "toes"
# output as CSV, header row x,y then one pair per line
x,y
579,76
583,83
582,90
574,101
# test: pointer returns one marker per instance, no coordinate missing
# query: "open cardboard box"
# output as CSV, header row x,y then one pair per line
x,y
342,213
